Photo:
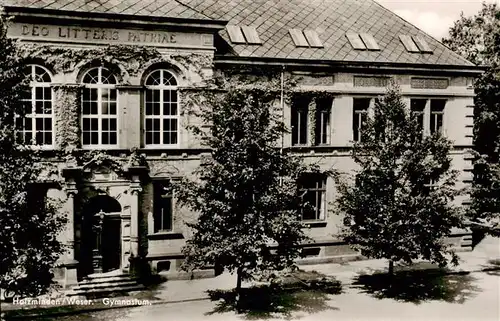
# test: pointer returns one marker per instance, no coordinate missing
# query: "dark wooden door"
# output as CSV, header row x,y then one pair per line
x,y
111,244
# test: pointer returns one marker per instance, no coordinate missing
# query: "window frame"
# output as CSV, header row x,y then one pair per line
x,y
359,113
435,114
320,186
161,88
324,111
100,116
162,183
33,115
297,109
419,113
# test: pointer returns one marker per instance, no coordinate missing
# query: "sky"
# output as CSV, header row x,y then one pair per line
x,y
434,16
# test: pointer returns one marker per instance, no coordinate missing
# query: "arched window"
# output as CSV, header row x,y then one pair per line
x,y
161,112
99,108
36,127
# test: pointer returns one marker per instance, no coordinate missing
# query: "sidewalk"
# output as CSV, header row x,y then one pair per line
x,y
484,257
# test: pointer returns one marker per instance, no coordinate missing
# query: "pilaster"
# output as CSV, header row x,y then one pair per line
x,y
70,263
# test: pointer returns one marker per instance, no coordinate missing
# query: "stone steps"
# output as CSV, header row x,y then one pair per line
x,y
101,285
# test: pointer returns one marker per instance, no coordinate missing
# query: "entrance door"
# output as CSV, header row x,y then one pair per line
x,y
111,244
101,236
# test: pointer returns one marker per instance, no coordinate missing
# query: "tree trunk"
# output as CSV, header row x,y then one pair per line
x,y
391,267
238,289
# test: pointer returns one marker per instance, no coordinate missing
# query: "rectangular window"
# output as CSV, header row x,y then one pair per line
x,y
360,112
300,112
99,117
312,190
322,117
162,207
437,115
417,112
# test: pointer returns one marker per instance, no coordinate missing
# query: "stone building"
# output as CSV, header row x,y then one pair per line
x,y
110,85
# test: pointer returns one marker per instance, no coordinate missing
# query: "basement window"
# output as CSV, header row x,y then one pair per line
x,y
363,41
305,38
415,44
246,35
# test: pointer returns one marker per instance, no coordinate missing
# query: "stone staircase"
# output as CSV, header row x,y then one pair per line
x,y
105,284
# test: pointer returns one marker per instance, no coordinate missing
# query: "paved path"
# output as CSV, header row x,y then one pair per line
x,y
473,297
485,255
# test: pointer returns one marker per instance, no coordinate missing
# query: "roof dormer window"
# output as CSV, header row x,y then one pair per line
x,y
415,44
246,35
305,38
362,41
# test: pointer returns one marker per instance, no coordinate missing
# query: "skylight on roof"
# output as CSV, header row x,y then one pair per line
x,y
369,41
235,34
355,41
363,41
298,38
422,44
251,35
415,44
313,39
305,38
243,35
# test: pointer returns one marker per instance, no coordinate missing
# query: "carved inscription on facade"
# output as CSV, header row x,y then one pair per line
x,y
368,81
106,35
430,83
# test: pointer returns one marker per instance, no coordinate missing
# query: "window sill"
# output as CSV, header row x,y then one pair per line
x,y
314,224
100,147
153,147
165,236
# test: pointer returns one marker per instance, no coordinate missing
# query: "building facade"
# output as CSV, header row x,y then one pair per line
x,y
112,86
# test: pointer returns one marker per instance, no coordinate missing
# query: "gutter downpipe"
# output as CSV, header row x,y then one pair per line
x,y
282,105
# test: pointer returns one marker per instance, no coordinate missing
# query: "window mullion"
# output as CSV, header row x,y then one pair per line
x,y
99,113
161,116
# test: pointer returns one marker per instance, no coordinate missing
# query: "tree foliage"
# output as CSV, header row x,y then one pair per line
x,y
29,226
390,210
245,191
477,38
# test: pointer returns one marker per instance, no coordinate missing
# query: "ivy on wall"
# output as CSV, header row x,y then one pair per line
x,y
128,61
67,116
64,60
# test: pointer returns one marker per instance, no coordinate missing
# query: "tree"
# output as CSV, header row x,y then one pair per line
x,y
246,191
29,226
477,38
399,206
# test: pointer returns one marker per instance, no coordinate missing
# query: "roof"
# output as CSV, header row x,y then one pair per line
x,y
331,19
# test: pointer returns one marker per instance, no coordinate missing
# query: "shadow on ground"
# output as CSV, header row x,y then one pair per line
x,y
492,267
419,286
278,300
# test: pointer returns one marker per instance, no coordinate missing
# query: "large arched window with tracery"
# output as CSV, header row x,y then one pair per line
x,y
36,126
161,109
99,108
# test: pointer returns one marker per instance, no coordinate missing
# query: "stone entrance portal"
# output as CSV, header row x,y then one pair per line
x,y
101,235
